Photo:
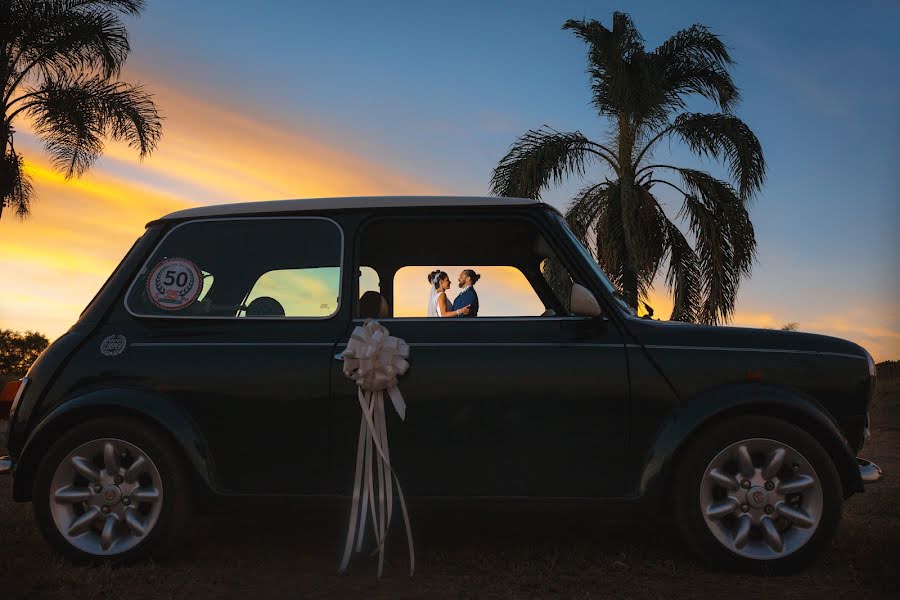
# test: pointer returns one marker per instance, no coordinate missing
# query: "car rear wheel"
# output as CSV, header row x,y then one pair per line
x,y
757,494
110,490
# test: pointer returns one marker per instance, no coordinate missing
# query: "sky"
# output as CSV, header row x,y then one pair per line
x,y
309,99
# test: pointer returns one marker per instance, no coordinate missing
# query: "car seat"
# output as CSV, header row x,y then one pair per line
x,y
265,306
372,305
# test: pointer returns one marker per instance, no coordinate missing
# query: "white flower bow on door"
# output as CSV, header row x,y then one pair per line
x,y
374,360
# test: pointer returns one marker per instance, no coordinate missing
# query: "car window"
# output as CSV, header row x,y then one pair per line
x,y
246,268
299,292
503,291
368,280
516,269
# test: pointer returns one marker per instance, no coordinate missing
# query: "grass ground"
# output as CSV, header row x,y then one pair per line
x,y
279,551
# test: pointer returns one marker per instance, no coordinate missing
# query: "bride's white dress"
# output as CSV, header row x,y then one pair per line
x,y
433,310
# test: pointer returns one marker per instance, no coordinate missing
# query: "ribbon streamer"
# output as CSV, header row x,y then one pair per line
x,y
374,360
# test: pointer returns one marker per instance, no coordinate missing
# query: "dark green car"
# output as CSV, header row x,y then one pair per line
x,y
209,363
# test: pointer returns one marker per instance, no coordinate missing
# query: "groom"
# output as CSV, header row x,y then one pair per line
x,y
467,295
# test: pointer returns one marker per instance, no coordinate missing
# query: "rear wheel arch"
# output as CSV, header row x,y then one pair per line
x,y
153,410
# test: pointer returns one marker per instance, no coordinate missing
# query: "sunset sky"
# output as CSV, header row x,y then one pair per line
x,y
276,100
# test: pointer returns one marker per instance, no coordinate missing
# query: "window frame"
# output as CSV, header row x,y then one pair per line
x,y
146,265
540,227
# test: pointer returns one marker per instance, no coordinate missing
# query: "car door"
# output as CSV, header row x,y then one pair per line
x,y
502,407
505,406
249,358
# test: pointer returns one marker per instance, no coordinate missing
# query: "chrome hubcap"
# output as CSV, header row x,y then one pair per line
x,y
761,499
106,496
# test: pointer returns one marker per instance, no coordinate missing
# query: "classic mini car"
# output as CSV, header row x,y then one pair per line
x,y
210,363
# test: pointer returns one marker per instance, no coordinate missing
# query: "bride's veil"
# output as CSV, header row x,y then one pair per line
x,y
432,302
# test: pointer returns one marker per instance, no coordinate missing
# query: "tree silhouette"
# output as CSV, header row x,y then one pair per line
x,y
643,95
19,349
59,64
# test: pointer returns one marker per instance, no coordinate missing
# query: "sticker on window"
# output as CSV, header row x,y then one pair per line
x,y
174,283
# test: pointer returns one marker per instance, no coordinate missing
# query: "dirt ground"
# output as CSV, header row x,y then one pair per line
x,y
275,550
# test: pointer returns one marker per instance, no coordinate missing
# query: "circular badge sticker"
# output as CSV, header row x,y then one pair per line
x,y
174,283
113,345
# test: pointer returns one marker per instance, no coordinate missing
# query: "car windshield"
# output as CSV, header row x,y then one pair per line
x,y
592,263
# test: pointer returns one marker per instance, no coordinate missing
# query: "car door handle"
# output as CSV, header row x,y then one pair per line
x,y
339,356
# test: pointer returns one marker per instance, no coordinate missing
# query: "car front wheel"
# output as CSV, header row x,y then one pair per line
x,y
757,494
110,490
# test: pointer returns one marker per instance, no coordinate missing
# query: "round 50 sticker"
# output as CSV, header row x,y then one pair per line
x,y
174,283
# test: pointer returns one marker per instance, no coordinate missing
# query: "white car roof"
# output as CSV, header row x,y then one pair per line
x,y
319,204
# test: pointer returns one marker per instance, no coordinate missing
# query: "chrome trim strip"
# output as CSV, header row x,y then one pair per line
x,y
236,318
16,398
537,319
731,349
239,344
516,344
508,344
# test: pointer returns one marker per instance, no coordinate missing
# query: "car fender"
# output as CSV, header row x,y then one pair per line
x,y
729,401
151,407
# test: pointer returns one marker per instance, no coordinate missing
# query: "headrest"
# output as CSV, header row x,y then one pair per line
x,y
372,305
265,306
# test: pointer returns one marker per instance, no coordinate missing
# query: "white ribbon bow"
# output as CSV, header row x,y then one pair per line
x,y
374,360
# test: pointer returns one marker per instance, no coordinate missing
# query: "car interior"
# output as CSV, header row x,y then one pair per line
x,y
387,245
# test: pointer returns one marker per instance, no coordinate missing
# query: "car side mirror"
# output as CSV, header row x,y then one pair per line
x,y
583,303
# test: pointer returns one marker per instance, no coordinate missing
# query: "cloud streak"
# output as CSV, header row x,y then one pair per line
x,y
211,152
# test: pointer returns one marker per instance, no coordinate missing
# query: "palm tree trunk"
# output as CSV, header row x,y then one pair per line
x,y
627,177
5,170
5,173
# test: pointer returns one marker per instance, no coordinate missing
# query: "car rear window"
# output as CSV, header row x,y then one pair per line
x,y
243,268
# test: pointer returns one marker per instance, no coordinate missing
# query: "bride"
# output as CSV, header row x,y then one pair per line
x,y
438,303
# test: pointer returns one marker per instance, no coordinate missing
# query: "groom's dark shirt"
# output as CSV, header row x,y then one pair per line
x,y
467,298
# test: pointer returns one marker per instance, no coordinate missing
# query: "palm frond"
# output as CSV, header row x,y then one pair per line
x,y
694,61
725,137
722,199
72,115
622,228
16,185
58,37
537,159
683,276
584,209
725,242
612,60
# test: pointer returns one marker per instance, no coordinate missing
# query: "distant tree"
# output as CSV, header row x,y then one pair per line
x,y
790,327
643,95
59,64
19,349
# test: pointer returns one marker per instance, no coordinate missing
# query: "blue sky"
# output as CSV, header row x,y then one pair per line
x,y
434,94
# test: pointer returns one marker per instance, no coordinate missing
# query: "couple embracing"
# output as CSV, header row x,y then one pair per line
x,y
466,302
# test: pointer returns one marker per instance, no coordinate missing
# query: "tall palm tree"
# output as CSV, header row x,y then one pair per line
x,y
59,64
620,218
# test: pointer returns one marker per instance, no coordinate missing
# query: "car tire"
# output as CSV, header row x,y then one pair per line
x,y
91,512
738,512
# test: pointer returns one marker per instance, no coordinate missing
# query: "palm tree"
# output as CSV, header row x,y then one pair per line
x,y
59,64
620,218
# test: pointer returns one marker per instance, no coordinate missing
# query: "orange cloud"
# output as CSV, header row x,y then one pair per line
x,y
211,153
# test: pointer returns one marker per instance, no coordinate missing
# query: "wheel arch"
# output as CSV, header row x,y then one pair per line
x,y
707,409
154,409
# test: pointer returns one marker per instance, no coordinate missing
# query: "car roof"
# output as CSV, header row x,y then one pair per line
x,y
322,204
